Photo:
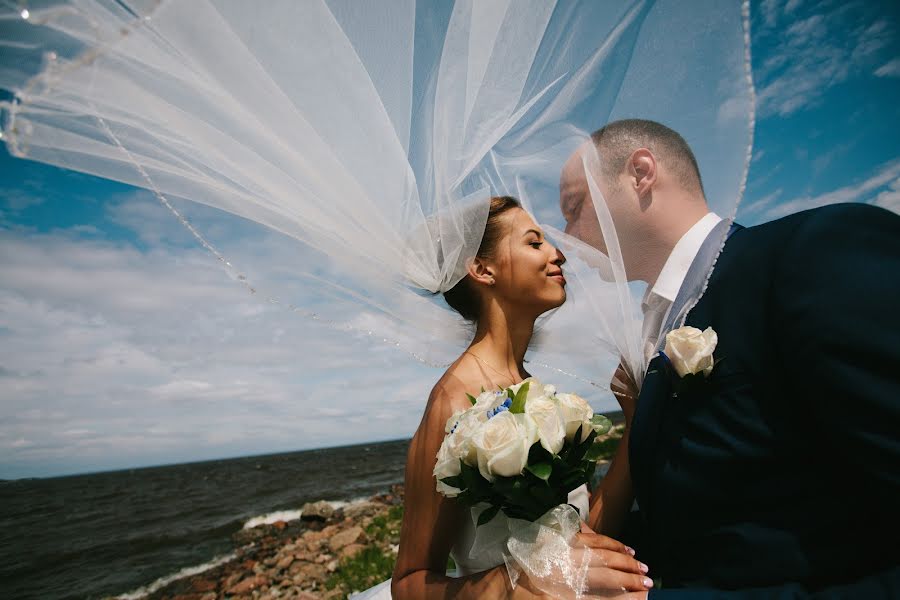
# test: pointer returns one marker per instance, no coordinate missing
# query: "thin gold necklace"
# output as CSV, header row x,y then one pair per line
x,y
488,365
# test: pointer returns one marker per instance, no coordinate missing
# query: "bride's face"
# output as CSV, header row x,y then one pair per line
x,y
528,269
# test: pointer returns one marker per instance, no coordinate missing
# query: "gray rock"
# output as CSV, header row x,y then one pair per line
x,y
318,511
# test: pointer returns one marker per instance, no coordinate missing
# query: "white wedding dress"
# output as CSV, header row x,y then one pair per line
x,y
579,497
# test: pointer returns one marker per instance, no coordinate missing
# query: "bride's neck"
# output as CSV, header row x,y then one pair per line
x,y
502,339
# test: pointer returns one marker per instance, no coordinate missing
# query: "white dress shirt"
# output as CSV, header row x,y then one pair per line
x,y
659,298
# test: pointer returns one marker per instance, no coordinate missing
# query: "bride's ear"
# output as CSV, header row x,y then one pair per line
x,y
481,272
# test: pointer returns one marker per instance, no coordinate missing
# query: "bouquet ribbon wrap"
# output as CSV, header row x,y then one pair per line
x,y
542,549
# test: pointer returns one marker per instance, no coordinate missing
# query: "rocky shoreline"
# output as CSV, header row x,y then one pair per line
x,y
329,553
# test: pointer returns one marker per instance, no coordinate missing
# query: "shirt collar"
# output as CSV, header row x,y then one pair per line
x,y
683,254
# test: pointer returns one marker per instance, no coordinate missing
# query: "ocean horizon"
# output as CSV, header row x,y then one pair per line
x,y
119,533
101,471
122,533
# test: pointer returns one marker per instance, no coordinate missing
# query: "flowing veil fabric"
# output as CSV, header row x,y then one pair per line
x,y
374,133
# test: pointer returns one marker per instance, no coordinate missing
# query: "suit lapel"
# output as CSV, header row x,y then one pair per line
x,y
695,277
645,426
657,386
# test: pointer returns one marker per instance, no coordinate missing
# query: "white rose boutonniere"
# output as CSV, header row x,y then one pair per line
x,y
690,351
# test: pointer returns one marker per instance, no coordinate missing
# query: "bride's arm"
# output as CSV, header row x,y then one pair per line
x,y
611,501
431,523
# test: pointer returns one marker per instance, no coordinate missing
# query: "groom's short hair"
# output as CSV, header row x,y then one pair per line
x,y
617,140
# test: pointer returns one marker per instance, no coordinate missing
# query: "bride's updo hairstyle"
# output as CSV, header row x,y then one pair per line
x,y
462,297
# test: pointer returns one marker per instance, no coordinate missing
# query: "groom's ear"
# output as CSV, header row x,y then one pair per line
x,y
642,171
481,272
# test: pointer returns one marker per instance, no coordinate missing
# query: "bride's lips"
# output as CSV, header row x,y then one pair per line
x,y
558,276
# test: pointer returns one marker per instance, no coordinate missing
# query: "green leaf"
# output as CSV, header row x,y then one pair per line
x,y
589,472
455,481
606,448
472,398
538,454
601,424
470,476
541,470
518,402
487,515
574,479
545,498
596,452
576,452
508,486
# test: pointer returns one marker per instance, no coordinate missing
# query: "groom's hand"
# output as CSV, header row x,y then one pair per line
x,y
625,390
613,570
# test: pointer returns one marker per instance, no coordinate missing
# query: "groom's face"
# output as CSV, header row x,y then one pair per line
x,y
577,206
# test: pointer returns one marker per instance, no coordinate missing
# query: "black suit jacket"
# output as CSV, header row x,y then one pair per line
x,y
780,476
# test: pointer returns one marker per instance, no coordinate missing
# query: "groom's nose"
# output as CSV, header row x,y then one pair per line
x,y
572,227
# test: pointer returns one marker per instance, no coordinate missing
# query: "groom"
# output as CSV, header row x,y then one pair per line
x,y
778,475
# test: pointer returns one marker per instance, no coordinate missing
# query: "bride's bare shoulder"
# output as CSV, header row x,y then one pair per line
x,y
448,397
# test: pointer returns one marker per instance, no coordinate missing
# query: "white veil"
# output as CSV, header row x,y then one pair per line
x,y
374,133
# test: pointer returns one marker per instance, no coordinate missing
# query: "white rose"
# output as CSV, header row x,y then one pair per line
x,y
691,350
488,400
575,412
453,420
535,388
447,465
551,429
502,444
460,441
549,390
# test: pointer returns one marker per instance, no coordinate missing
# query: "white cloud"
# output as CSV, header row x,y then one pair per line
x,y
864,191
890,198
770,12
15,201
889,69
816,53
116,354
792,5
114,357
111,357
755,205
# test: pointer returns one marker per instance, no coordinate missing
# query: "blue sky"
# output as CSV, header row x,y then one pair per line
x,y
123,343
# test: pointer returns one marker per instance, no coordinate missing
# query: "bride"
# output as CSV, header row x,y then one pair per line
x,y
515,277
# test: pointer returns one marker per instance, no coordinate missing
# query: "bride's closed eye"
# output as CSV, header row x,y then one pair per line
x,y
535,238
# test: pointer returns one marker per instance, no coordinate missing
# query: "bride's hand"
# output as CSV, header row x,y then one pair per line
x,y
625,391
613,571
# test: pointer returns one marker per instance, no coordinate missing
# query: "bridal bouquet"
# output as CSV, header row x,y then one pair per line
x,y
520,451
